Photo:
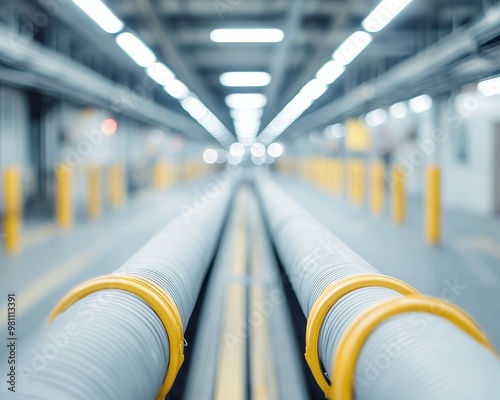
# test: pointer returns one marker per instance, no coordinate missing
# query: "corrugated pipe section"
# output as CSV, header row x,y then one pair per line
x,y
111,344
413,356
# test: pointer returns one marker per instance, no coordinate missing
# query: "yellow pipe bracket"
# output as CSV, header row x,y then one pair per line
x,y
155,297
355,336
324,304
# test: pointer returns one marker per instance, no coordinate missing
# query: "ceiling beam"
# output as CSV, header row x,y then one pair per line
x,y
175,61
281,57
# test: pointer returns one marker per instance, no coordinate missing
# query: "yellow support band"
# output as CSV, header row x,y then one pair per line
x,y
356,334
64,197
377,187
433,206
94,192
398,195
324,304
13,210
155,297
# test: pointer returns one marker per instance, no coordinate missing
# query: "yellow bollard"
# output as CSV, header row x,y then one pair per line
x,y
13,210
160,175
94,192
64,197
433,206
398,195
116,186
357,181
377,187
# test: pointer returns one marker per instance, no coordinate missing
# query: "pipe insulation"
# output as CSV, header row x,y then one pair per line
x,y
414,356
111,344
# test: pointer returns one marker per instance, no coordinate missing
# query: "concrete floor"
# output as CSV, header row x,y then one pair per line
x,y
465,268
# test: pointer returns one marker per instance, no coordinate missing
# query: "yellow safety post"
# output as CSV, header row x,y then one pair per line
x,y
357,181
64,197
398,195
94,192
116,186
161,175
377,187
433,205
13,210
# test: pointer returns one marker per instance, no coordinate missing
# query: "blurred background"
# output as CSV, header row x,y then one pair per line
x,y
379,118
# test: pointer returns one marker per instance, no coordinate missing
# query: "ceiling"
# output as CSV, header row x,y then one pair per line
x,y
178,31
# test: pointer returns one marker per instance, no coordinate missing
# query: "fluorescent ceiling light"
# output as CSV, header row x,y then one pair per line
x,y
275,150
376,117
136,49
421,103
246,100
399,110
258,150
210,156
101,15
352,47
176,89
247,35
313,89
246,114
160,73
247,125
245,79
330,72
237,150
335,131
385,12
489,87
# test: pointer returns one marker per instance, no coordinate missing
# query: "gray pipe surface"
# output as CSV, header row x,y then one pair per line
x,y
413,356
111,345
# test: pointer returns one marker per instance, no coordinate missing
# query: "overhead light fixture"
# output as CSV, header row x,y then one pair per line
x,y
399,110
101,15
336,131
376,117
489,87
330,72
267,35
160,73
383,14
275,150
246,114
421,104
136,49
245,79
246,100
352,47
313,89
210,155
258,150
176,89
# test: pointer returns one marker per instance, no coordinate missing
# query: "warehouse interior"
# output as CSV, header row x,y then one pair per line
x,y
249,199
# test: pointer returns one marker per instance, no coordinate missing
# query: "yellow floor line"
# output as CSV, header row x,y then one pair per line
x,y
39,234
262,367
230,379
56,277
